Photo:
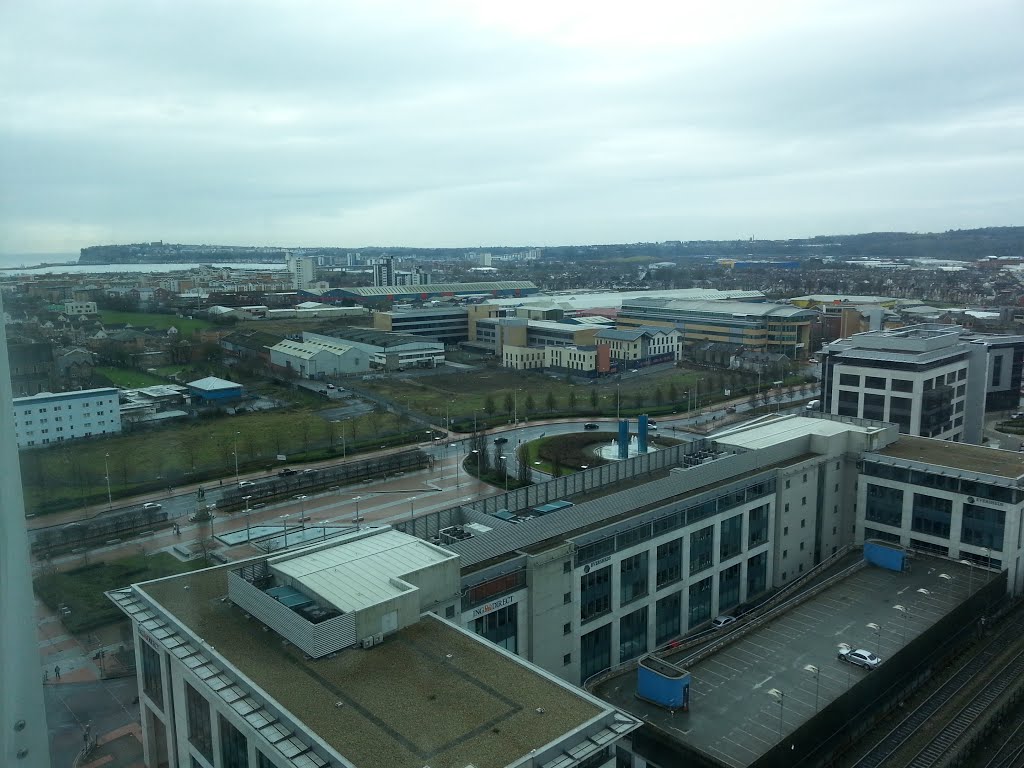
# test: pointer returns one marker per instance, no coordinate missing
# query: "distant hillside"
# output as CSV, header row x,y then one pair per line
x,y
956,244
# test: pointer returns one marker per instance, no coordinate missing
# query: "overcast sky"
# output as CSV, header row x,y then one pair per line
x,y
433,123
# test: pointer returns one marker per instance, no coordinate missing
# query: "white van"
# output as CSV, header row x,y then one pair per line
x,y
813,405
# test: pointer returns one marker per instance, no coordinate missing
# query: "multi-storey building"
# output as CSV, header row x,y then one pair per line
x,y
52,418
327,656
965,503
302,270
449,325
76,307
641,346
931,380
386,351
762,327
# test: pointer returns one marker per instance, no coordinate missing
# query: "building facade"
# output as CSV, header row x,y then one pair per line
x,y
318,359
641,347
449,325
55,417
762,327
302,270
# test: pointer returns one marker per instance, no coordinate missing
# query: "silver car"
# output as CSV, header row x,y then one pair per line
x,y
860,657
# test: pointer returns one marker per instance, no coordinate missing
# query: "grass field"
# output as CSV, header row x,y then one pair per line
x,y
73,474
142,320
129,378
81,590
535,395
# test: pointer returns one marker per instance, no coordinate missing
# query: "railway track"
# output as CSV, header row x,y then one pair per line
x,y
1011,631
1011,753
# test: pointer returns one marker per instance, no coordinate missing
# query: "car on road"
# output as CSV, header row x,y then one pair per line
x,y
731,409
287,471
245,483
591,425
152,505
330,386
652,424
634,370
722,621
500,440
860,657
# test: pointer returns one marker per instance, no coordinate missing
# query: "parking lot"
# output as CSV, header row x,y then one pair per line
x,y
759,686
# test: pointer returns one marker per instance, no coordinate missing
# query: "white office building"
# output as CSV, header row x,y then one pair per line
x,y
327,656
53,417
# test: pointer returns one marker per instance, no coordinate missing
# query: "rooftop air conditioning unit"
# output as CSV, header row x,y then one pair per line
x,y
368,642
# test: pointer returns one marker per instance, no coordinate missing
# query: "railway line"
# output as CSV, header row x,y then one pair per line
x,y
929,733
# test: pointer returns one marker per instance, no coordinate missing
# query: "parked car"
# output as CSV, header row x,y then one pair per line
x,y
860,657
722,621
500,440
652,425
152,505
591,425
813,405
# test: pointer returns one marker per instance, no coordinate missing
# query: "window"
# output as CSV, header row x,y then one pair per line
x,y
197,712
849,380
729,588
595,652
874,382
633,635
566,659
700,602
449,612
595,593
670,562
902,385
567,628
848,403
874,407
757,574
731,541
152,681
757,526
632,578
885,505
566,598
931,515
983,527
234,750
701,549
567,566
667,618
803,523
785,530
500,627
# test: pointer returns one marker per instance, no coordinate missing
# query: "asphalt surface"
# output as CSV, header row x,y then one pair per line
x,y
104,705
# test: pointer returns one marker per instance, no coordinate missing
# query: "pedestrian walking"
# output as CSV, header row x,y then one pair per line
x,y
56,672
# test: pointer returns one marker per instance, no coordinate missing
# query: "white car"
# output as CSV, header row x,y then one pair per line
x,y
152,505
860,657
722,621
245,483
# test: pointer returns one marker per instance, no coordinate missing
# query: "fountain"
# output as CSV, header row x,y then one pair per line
x,y
611,451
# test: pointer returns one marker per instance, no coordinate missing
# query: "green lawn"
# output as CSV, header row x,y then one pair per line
x,y
81,590
538,396
142,320
72,474
129,378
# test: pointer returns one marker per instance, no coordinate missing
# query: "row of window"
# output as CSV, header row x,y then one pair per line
x,y
932,515
943,482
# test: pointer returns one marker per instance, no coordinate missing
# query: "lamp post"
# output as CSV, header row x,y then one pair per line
x,y
817,682
504,469
583,468
970,577
236,457
906,617
248,535
302,514
845,648
357,518
877,629
106,470
285,519
618,401
781,698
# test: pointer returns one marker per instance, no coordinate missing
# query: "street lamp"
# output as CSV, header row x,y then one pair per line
x,y
248,535
781,698
106,469
285,519
583,477
236,457
357,518
504,468
343,446
877,629
817,682
906,617
970,578
302,514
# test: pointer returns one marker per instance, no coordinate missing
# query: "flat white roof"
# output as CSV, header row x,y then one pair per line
x,y
613,299
765,434
362,572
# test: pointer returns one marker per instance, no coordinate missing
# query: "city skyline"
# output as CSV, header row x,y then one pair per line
x,y
456,125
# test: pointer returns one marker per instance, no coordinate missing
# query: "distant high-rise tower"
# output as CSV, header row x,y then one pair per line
x,y
24,741
384,271
301,268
